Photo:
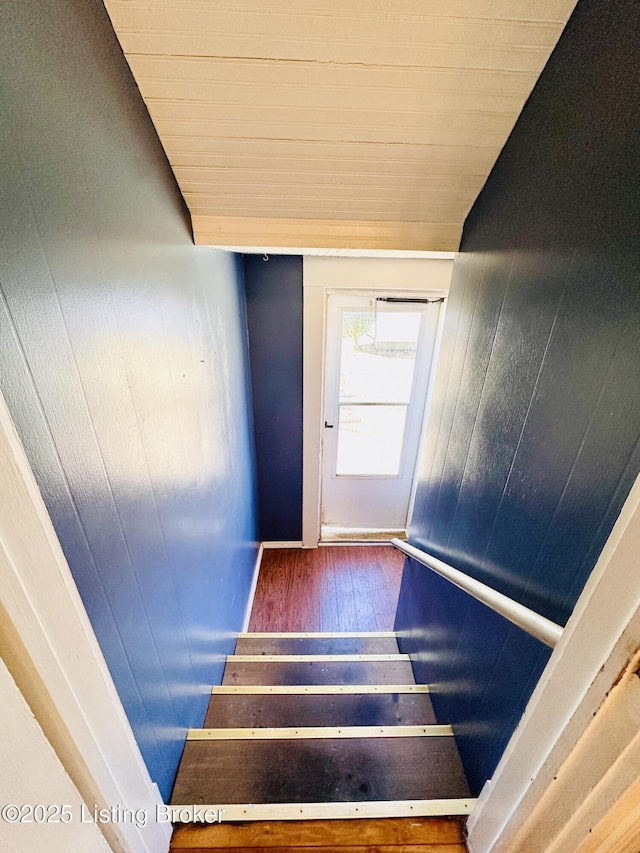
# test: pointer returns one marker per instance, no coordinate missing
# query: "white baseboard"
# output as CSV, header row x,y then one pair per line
x,y
252,591
286,544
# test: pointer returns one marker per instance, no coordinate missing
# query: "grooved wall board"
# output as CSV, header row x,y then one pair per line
x,y
314,233
319,672
319,710
299,771
533,440
281,83
273,295
123,356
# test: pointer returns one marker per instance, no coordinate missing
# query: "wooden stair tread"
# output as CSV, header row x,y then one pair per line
x,y
384,848
321,835
318,672
317,645
312,771
368,709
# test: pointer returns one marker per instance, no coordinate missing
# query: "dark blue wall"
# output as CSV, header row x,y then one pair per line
x,y
124,362
274,312
532,443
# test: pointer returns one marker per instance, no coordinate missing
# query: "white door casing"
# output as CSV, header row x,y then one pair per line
x,y
321,275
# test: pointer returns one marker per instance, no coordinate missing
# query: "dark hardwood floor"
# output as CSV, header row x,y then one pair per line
x,y
339,588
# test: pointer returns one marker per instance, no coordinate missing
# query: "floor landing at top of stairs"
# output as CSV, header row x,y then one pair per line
x,y
339,588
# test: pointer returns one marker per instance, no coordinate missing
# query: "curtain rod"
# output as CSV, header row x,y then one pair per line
x,y
408,299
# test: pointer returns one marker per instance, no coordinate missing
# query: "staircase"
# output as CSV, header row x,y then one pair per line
x,y
328,729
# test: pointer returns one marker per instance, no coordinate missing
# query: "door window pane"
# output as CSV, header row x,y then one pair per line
x,y
370,440
378,355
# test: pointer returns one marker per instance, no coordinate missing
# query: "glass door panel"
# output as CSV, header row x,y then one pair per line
x,y
377,370
377,365
378,356
370,440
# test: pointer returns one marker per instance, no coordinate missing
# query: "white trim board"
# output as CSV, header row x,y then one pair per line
x,y
321,275
319,732
354,543
252,591
342,253
53,656
285,543
598,641
389,658
427,408
315,689
326,811
316,635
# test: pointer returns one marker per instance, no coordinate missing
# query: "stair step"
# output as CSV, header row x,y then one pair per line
x,y
328,770
303,672
317,726
328,709
320,836
353,644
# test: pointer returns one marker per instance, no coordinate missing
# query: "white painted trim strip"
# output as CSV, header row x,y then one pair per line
x,y
427,408
313,658
315,635
341,253
315,689
354,543
319,732
230,812
537,626
284,544
252,591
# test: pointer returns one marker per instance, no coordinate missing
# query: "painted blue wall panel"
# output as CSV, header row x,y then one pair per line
x,y
534,438
274,313
125,365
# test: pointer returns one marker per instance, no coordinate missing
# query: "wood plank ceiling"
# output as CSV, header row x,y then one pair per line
x,y
335,123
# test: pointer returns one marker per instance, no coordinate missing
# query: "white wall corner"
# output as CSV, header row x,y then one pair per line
x,y
32,778
53,656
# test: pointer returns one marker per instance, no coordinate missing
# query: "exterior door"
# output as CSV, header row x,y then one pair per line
x,y
378,365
